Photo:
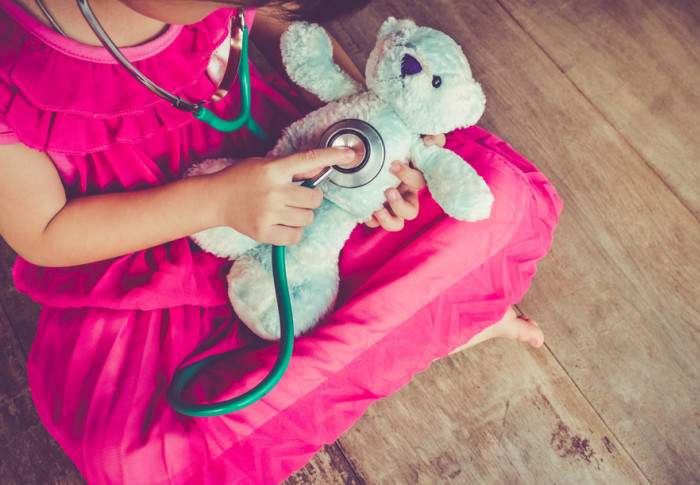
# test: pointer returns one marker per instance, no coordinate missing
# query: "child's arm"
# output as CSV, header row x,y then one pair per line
x,y
255,196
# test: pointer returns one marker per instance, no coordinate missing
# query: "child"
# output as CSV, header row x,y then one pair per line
x,y
94,204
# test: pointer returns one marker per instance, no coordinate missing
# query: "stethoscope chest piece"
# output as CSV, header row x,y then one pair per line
x,y
367,143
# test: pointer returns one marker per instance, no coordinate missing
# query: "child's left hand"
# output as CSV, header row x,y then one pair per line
x,y
402,202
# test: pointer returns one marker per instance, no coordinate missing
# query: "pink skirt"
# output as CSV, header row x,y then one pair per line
x,y
105,352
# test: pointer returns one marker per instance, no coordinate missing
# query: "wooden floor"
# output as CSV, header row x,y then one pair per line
x,y
604,96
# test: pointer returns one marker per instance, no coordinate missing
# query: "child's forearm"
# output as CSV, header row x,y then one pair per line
x,y
99,227
266,34
43,226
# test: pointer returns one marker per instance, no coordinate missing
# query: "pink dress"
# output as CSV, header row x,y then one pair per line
x,y
112,333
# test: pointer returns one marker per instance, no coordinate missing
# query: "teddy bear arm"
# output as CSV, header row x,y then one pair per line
x,y
453,183
224,242
307,52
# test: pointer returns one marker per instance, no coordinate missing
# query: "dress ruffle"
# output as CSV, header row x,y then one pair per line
x,y
87,106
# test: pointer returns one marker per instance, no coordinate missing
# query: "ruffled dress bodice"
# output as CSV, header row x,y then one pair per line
x,y
105,132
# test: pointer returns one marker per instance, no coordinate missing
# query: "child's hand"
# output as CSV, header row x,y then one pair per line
x,y
402,202
436,140
257,197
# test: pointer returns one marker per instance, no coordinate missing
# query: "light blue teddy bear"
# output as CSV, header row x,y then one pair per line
x,y
418,83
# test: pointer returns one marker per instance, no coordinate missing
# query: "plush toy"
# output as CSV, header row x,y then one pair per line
x,y
418,83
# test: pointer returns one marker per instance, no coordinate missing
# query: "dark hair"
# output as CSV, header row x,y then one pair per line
x,y
317,11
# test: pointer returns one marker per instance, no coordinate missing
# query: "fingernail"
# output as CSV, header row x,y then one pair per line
x,y
349,153
395,167
428,140
392,195
382,215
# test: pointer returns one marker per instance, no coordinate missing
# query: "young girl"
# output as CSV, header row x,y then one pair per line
x,y
94,203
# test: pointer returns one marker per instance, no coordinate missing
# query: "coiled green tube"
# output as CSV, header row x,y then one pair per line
x,y
184,375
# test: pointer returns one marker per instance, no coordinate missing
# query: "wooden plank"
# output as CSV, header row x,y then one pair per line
x,y
618,297
29,455
328,467
466,420
638,61
22,313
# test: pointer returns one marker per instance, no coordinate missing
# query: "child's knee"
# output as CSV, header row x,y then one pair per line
x,y
510,189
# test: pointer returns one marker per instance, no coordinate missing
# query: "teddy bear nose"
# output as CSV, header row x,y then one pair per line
x,y
410,65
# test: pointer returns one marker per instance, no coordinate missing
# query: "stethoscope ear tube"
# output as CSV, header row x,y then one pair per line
x,y
126,64
244,118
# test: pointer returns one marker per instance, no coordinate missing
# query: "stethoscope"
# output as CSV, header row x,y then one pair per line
x,y
356,134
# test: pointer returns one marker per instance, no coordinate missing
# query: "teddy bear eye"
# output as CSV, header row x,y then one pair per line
x,y
410,65
437,81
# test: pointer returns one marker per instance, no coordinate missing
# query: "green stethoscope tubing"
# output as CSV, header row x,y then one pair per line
x,y
186,374
244,119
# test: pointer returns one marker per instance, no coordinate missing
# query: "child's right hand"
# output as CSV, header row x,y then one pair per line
x,y
258,198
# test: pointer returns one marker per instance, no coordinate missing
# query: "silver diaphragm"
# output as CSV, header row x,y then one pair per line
x,y
367,143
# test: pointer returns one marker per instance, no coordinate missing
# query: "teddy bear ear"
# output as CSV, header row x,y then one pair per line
x,y
394,25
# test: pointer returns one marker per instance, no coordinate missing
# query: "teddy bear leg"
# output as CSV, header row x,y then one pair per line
x,y
312,265
312,291
312,276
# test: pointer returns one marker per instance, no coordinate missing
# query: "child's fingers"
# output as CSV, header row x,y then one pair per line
x,y
281,235
402,201
389,221
304,164
373,223
411,178
302,197
295,217
434,140
404,206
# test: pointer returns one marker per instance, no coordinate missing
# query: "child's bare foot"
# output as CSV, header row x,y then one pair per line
x,y
511,326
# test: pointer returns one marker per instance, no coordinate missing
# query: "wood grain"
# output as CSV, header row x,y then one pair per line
x,y
498,414
638,62
328,467
618,297
22,312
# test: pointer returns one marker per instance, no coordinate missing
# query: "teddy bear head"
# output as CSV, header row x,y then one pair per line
x,y
424,75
